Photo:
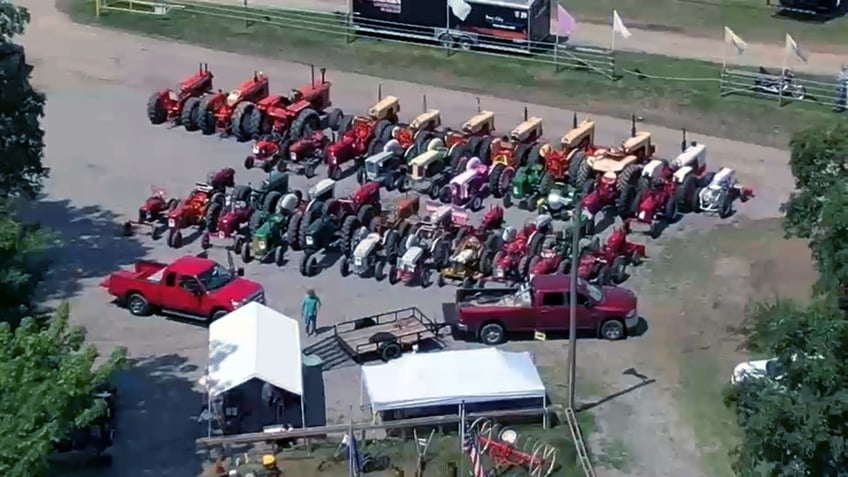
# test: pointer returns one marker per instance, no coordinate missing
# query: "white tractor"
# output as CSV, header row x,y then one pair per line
x,y
718,196
371,252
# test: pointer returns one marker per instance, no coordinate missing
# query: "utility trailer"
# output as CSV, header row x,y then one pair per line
x,y
815,8
385,335
505,25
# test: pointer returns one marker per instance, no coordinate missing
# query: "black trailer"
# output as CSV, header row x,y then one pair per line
x,y
817,8
384,335
508,25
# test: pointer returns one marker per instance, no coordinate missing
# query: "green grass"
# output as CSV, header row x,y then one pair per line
x,y
695,105
751,19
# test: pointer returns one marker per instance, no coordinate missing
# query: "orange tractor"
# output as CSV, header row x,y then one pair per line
x,y
224,112
177,105
519,149
473,139
414,137
297,114
559,165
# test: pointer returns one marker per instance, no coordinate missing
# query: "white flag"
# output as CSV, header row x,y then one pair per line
x,y
734,39
618,26
460,8
792,48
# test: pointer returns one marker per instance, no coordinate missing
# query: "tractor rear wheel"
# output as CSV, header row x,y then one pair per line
x,y
535,155
306,123
520,155
241,193
205,117
485,150
334,118
457,153
188,116
619,270
280,255
579,169
238,120
156,112
495,179
253,123
627,177
292,230
683,193
272,198
213,213
344,124
546,185
349,227
366,213
379,129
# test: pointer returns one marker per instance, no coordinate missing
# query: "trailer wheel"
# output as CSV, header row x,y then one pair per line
x,y
465,43
138,305
390,350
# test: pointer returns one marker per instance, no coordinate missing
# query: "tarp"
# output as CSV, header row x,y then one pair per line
x,y
254,341
452,377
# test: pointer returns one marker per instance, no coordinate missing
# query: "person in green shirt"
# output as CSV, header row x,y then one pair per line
x,y
309,311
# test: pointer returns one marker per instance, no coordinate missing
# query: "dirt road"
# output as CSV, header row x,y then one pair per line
x,y
104,156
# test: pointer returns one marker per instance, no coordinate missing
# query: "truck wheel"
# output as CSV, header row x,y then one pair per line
x,y
612,330
390,351
138,305
492,334
218,314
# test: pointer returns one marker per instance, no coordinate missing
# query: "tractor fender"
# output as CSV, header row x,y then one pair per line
x,y
393,146
680,174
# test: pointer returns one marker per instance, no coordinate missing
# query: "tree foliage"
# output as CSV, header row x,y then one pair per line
x,y
819,163
795,425
21,110
47,376
22,265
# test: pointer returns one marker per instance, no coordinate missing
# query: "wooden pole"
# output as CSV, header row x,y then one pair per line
x,y
572,311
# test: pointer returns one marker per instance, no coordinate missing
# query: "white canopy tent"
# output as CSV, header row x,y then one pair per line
x,y
452,378
255,341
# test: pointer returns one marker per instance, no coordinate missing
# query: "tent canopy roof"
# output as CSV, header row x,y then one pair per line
x,y
450,378
254,341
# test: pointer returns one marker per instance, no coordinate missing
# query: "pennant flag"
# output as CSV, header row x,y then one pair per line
x,y
562,23
460,8
734,39
618,26
793,48
472,448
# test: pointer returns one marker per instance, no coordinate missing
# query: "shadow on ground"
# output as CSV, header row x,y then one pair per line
x,y
156,420
89,244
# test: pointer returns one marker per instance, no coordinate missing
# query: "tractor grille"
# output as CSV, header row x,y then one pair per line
x,y
258,297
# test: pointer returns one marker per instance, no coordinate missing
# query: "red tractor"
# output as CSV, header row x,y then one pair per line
x,y
180,106
295,115
608,263
151,214
192,211
414,137
302,156
666,189
224,112
512,262
474,139
230,221
360,133
492,221
557,161
520,148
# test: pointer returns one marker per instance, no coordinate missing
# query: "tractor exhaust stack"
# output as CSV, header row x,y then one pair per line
x,y
255,75
323,75
525,113
683,141
479,109
424,98
574,121
312,74
379,91
632,125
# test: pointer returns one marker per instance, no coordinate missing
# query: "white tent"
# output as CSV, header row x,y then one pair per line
x,y
254,341
451,378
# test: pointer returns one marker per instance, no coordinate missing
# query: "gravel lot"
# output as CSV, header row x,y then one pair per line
x,y
104,156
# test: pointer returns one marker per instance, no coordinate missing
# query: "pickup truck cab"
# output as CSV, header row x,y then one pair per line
x,y
491,314
191,287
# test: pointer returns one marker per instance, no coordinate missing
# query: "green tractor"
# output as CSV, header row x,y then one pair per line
x,y
268,241
559,203
525,187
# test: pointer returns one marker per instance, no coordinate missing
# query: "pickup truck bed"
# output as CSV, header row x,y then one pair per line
x,y
355,339
144,269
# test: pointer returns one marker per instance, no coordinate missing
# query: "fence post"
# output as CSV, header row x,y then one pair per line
x,y
97,8
612,65
556,55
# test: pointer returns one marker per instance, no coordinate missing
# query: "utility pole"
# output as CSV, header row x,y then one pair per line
x,y
572,306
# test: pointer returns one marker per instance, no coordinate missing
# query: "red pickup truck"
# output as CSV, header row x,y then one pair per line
x,y
191,287
491,314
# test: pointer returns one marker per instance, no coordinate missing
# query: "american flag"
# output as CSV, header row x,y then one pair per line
x,y
472,448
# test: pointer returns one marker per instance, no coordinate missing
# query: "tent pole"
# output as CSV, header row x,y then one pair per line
x,y
462,438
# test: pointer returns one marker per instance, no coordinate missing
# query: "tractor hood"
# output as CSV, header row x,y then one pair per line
x,y
230,222
648,206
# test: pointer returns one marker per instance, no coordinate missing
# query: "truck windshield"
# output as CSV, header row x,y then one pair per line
x,y
595,292
215,278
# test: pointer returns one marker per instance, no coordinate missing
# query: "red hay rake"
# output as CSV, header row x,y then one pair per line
x,y
507,448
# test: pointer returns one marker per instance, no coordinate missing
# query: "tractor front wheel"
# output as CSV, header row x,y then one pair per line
x,y
280,255
156,112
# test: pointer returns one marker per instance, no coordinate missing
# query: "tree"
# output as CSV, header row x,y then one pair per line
x,y
819,163
22,265
47,377
21,109
795,425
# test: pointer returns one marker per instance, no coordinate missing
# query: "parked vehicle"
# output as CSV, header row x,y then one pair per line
x,y
359,133
179,106
779,85
191,287
468,188
718,196
193,210
152,214
491,314
223,113
371,254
